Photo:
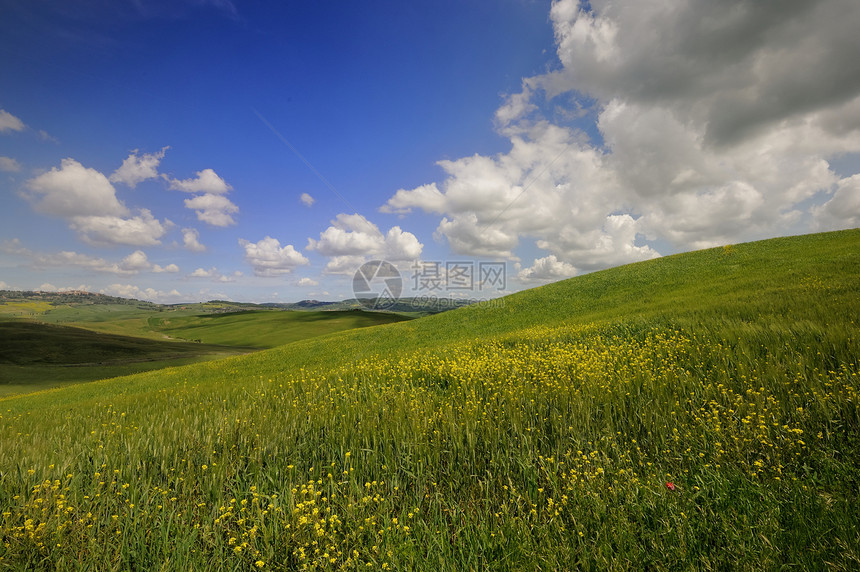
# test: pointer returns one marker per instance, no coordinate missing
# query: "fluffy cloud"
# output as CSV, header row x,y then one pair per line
x,y
552,186
45,136
737,68
74,190
400,245
212,207
546,269
269,259
9,122
170,268
216,210
346,264
88,201
134,263
307,200
352,238
190,239
203,273
843,209
426,197
149,294
206,181
138,168
712,123
307,282
215,275
140,230
9,165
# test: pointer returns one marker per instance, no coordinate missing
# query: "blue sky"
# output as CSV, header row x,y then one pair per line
x,y
262,151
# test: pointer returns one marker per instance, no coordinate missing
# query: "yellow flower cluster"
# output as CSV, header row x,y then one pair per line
x,y
545,434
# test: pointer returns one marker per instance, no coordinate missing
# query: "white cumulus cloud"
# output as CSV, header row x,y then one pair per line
x,y
216,210
138,168
133,263
307,200
9,165
215,275
713,122
9,122
546,269
74,190
140,230
345,264
191,240
211,207
426,197
352,238
268,258
148,294
206,181
843,209
203,273
87,200
170,268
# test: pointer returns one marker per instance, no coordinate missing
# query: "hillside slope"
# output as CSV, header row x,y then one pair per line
x,y
698,411
267,329
35,355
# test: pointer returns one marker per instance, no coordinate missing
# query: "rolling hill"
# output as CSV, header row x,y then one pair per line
x,y
36,356
698,411
37,353
266,329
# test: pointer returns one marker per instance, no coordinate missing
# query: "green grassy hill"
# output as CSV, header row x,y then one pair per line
x,y
36,356
40,354
698,411
28,343
266,329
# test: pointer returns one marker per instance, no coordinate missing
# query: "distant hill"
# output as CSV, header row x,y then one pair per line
x,y
56,338
78,297
417,305
82,298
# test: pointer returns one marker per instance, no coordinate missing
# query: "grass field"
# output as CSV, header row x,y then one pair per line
x,y
116,319
698,411
41,355
265,329
35,356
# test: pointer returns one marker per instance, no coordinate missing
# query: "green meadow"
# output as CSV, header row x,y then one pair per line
x,y
698,411
36,356
266,328
44,345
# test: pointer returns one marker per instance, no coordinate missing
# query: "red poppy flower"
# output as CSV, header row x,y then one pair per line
x,y
670,485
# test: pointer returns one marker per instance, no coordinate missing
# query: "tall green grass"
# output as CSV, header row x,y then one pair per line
x,y
693,412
